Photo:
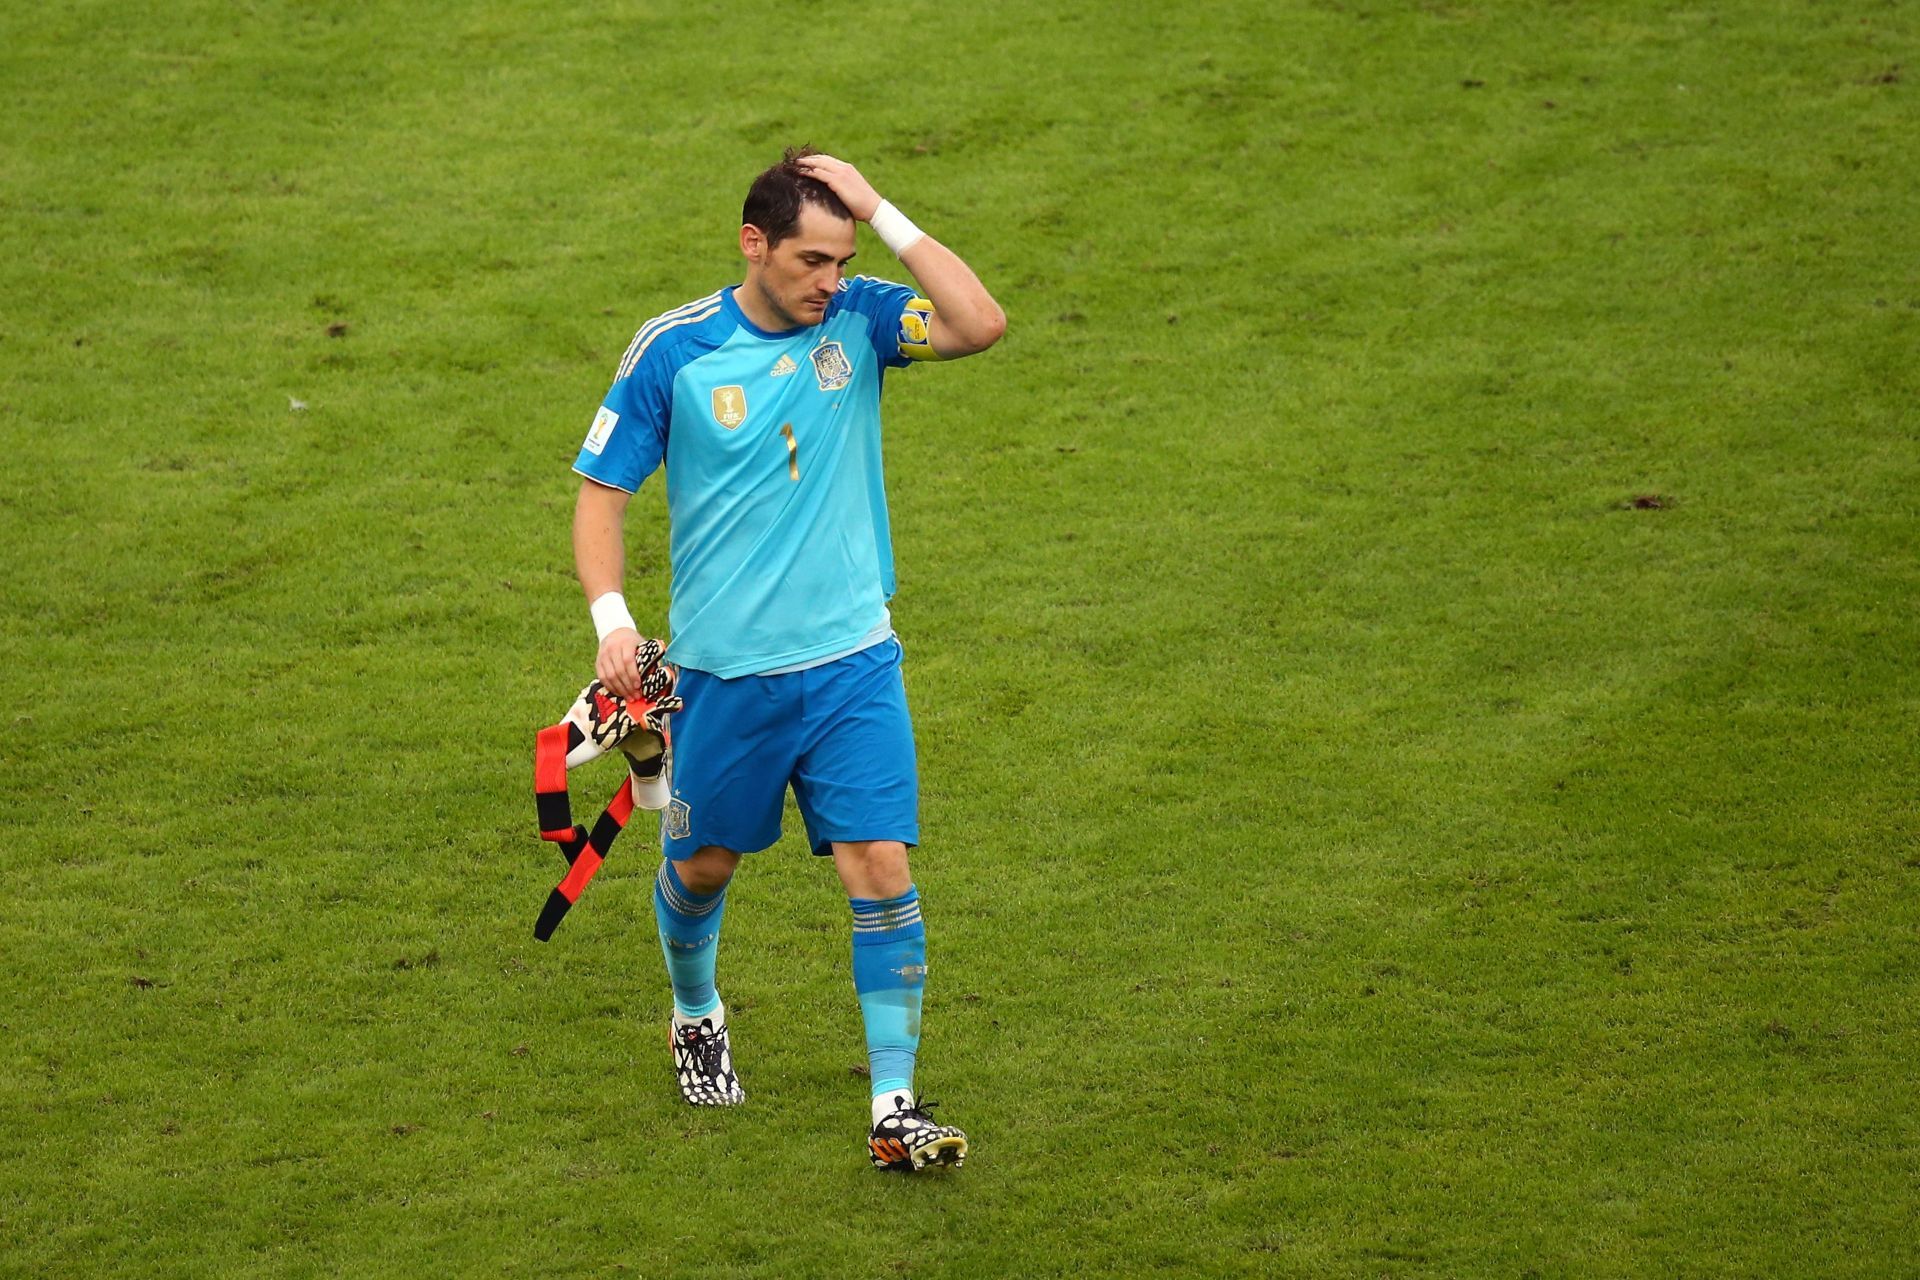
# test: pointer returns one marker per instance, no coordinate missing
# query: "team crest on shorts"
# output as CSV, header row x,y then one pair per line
x,y
831,366
729,406
679,820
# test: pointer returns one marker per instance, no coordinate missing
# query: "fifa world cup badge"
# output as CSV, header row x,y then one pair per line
x,y
729,406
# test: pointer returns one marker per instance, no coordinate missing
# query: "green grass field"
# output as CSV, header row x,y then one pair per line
x,y
1360,838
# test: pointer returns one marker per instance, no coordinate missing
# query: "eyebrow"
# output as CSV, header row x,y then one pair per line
x,y
819,255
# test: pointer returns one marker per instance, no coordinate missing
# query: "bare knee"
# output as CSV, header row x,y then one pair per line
x,y
872,868
708,869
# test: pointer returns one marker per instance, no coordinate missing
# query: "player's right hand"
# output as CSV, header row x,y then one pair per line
x,y
616,666
844,181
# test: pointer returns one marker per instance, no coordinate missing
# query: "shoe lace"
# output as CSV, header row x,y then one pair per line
x,y
922,1111
705,1049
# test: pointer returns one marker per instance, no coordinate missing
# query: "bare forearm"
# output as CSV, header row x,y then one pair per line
x,y
599,556
969,314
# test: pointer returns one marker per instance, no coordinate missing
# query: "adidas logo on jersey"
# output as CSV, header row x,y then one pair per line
x,y
782,367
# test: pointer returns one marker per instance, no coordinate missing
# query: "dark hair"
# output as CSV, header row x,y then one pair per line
x,y
774,199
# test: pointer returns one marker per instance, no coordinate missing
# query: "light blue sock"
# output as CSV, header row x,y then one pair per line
x,y
689,938
889,973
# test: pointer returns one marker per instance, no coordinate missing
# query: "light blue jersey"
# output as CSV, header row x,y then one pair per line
x,y
780,544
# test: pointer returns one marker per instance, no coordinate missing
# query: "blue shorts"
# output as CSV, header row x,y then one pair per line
x,y
838,733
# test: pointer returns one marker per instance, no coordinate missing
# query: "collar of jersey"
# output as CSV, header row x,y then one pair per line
x,y
784,335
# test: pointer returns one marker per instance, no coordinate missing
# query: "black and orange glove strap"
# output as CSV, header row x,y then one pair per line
x,y
584,850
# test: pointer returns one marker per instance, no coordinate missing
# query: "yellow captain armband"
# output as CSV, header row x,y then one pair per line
x,y
916,331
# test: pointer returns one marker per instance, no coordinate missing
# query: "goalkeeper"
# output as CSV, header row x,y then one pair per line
x,y
762,401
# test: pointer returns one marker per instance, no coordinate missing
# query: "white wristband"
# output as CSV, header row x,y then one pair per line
x,y
610,614
895,229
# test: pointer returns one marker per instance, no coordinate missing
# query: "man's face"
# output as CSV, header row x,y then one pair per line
x,y
798,277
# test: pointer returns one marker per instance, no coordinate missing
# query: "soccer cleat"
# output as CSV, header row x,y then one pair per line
x,y
908,1139
703,1062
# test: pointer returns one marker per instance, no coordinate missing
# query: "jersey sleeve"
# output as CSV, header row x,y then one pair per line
x,y
899,320
628,437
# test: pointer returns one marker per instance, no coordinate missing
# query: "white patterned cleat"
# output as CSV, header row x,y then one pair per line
x,y
909,1139
703,1061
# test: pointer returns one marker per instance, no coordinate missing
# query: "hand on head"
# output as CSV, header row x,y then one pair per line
x,y
844,181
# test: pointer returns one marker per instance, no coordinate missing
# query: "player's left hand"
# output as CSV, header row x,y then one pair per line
x,y
844,181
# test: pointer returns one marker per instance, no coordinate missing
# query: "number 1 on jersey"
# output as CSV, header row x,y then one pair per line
x,y
793,451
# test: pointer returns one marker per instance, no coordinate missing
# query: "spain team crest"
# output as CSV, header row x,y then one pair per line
x,y
831,366
729,406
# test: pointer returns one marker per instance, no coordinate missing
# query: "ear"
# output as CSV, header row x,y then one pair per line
x,y
753,243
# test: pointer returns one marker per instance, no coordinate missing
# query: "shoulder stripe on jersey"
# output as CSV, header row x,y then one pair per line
x,y
666,319
630,356
680,310
641,332
641,349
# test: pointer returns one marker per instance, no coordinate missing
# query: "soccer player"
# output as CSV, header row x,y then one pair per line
x,y
762,400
